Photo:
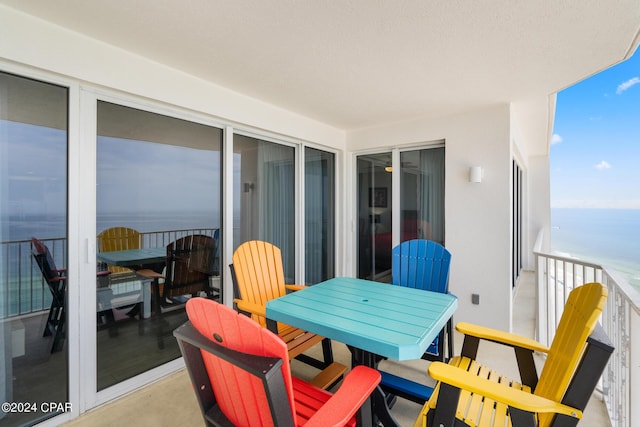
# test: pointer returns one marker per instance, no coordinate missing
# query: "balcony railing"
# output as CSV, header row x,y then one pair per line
x,y
555,277
25,290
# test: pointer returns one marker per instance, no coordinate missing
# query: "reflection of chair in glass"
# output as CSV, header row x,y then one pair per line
x,y
421,264
190,264
577,356
241,375
118,292
56,280
119,239
258,277
189,267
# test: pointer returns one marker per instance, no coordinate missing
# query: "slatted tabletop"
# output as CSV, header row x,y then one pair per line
x,y
133,257
391,321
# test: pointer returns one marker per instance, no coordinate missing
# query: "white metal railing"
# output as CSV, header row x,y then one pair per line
x,y
555,277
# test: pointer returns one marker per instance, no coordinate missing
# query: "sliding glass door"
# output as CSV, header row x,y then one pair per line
x,y
384,220
100,198
319,178
34,350
375,216
264,196
422,195
158,190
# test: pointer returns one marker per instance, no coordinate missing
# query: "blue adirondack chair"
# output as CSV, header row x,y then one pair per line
x,y
421,264
424,264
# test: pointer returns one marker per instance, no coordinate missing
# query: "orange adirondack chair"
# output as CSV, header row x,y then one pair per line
x,y
258,277
241,375
477,396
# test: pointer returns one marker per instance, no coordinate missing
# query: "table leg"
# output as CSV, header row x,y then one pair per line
x,y
380,408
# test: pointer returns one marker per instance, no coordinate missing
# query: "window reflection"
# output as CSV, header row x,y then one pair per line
x,y
264,196
158,199
422,196
319,215
374,216
421,209
33,203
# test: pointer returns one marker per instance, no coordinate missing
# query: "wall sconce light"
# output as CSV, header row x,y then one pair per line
x,y
475,174
388,169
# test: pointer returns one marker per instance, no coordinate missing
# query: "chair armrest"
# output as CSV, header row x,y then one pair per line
x,y
251,307
103,273
150,274
512,397
355,389
294,287
500,337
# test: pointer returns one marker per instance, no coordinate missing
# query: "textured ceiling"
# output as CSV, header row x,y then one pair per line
x,y
360,63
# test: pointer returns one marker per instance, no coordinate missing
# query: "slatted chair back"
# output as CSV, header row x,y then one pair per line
x,y
119,239
45,262
421,264
579,319
424,264
241,396
259,274
576,359
190,263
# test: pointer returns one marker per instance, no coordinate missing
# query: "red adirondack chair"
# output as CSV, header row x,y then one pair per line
x,y
241,375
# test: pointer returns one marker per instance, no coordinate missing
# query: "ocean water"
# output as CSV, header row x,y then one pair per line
x,y
609,237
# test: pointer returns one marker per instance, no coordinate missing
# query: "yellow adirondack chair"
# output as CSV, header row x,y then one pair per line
x,y
258,277
478,396
119,239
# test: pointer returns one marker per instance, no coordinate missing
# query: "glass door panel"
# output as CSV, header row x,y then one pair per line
x,y
374,216
319,215
264,196
420,211
158,196
33,204
422,195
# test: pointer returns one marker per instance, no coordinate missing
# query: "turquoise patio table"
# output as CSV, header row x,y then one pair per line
x,y
139,259
381,319
133,257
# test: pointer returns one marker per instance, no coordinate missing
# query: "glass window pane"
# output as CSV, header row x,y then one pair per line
x,y
264,196
158,198
374,216
320,215
33,204
422,195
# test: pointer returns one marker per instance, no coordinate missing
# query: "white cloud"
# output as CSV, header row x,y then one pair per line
x,y
603,165
626,85
556,139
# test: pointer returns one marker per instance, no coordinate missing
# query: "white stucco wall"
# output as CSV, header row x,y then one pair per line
x,y
477,215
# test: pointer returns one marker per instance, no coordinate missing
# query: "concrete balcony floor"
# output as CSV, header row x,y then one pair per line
x,y
171,401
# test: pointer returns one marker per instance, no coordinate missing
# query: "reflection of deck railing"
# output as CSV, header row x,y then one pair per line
x,y
555,277
23,288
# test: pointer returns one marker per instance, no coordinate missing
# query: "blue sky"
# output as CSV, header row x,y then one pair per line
x,y
595,152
